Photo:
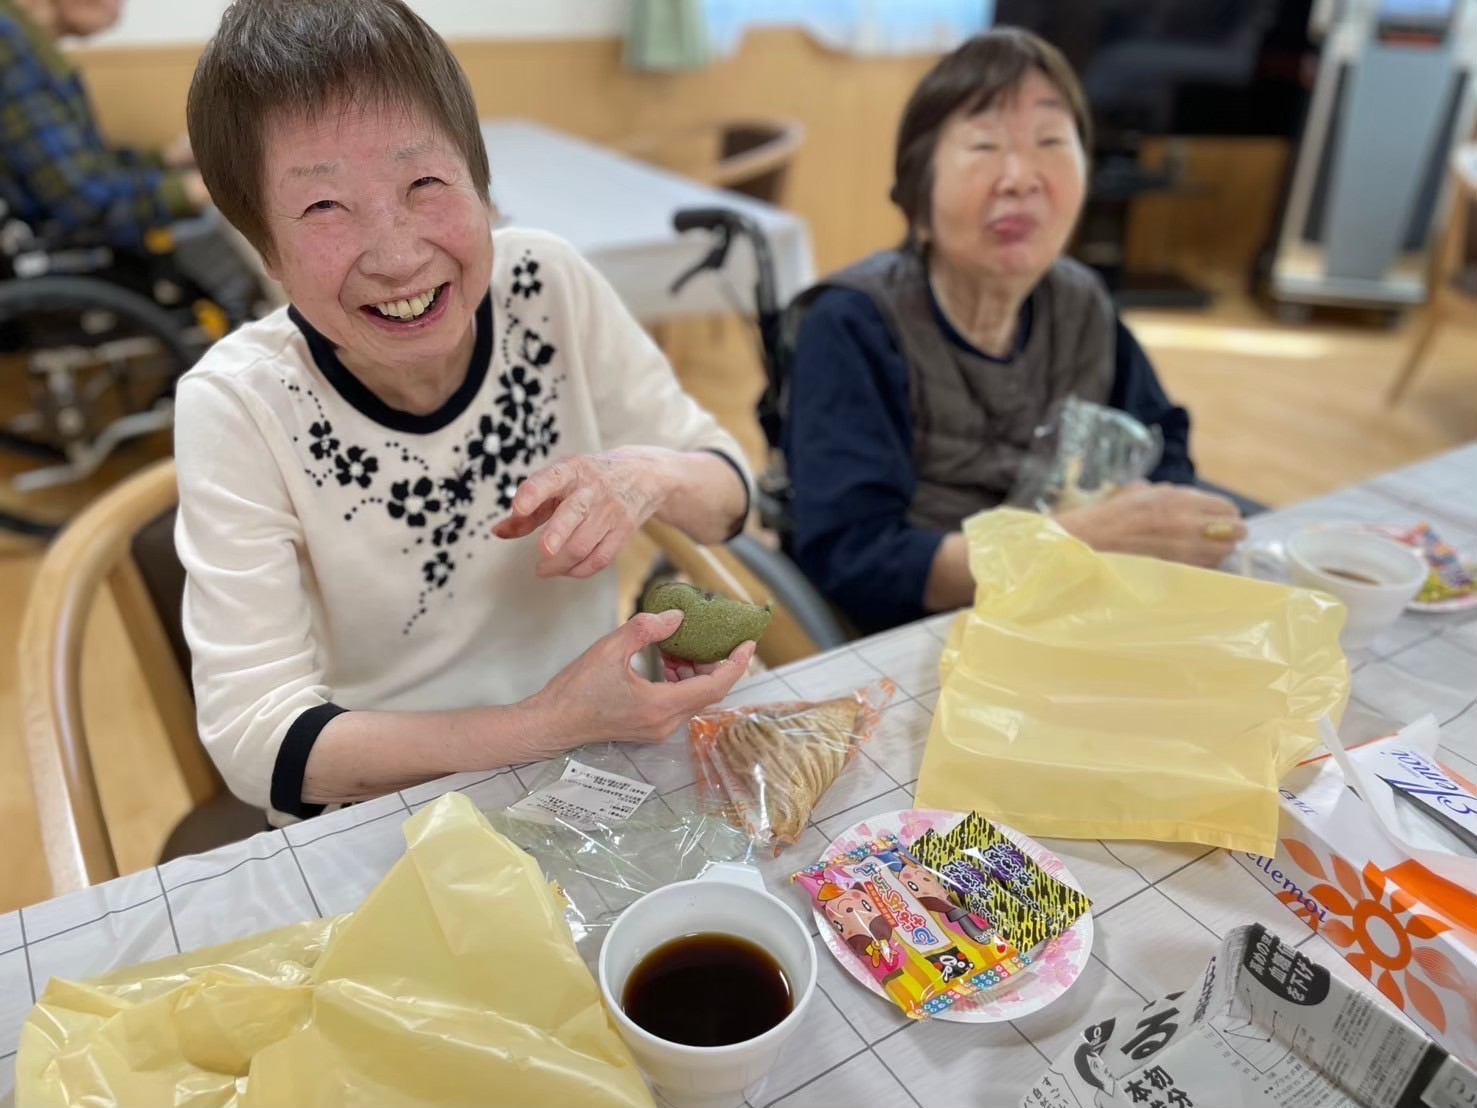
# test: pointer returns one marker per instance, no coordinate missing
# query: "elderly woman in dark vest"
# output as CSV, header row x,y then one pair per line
x,y
921,373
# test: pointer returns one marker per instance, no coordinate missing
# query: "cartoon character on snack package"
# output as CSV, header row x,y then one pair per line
x,y
866,925
934,895
861,927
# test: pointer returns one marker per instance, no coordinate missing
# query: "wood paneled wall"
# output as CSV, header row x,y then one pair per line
x,y
849,105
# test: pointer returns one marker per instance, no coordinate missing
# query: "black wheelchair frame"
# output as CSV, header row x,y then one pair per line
x,y
103,335
774,569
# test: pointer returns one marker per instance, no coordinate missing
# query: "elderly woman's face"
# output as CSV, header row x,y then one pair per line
x,y
381,240
1008,184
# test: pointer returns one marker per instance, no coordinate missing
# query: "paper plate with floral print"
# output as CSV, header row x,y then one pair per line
x,y
1054,968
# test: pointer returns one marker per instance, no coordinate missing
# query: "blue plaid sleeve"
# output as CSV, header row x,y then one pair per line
x,y
59,173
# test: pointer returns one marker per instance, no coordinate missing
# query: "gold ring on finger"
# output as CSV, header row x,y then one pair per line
x,y
1220,531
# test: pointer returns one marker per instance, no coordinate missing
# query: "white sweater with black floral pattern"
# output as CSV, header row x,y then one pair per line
x,y
339,553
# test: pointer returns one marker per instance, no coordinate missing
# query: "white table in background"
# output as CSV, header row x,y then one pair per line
x,y
1160,909
617,212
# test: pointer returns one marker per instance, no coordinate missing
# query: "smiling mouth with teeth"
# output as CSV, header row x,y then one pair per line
x,y
403,311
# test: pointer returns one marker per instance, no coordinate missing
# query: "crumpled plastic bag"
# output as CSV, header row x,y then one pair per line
x,y
455,984
1083,454
1103,696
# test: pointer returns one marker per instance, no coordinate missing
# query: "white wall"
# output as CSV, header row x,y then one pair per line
x,y
157,22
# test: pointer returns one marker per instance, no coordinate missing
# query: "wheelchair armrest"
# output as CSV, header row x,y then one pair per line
x,y
792,590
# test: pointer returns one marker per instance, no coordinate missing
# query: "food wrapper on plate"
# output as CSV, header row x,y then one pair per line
x,y
1104,696
456,983
764,767
990,876
1448,579
922,944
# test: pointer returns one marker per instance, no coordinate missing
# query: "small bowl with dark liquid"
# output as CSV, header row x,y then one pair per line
x,y
709,989
1375,577
705,980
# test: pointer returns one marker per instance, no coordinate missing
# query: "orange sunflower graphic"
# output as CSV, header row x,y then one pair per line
x,y
1378,929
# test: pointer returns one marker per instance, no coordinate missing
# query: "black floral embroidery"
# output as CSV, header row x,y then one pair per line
x,y
507,488
520,391
525,279
495,442
540,436
356,466
447,533
459,487
536,352
324,445
438,570
450,503
413,503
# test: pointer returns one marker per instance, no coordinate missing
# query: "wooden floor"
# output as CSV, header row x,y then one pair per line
x,y
1282,413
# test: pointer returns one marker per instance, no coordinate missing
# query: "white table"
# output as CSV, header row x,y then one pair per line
x,y
617,212
1160,910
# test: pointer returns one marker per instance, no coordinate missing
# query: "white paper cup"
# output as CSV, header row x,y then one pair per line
x,y
729,899
1318,558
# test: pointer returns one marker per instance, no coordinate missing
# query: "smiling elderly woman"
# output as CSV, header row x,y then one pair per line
x,y
921,374
396,495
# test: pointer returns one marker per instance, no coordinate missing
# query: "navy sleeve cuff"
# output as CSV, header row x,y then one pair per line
x,y
292,760
915,563
748,492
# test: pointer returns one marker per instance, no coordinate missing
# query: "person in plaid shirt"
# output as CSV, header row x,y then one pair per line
x,y
56,172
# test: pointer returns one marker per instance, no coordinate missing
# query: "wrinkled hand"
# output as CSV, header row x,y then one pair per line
x,y
680,669
588,507
599,697
1171,522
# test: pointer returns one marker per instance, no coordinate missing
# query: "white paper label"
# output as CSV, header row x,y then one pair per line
x,y
585,798
1454,1086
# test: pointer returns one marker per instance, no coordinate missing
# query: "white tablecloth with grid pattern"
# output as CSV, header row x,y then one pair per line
x,y
1160,909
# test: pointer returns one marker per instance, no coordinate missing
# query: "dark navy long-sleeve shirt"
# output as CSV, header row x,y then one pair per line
x,y
848,446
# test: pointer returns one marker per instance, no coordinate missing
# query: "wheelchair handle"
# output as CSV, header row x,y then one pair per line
x,y
702,219
726,223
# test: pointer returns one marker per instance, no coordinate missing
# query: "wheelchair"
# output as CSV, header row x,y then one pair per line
x,y
773,568
101,335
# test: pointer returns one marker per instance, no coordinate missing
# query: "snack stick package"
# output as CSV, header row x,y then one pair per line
x,y
1001,881
1017,922
920,944
1003,860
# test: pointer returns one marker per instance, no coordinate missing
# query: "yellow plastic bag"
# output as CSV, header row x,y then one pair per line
x,y
455,984
1093,695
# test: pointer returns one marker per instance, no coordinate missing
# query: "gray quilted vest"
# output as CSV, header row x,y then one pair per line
x,y
974,418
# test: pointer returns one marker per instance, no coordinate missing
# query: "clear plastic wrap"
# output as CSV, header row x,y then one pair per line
x,y
1084,453
763,767
602,860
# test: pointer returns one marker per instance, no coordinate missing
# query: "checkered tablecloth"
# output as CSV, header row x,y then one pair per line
x,y
1160,910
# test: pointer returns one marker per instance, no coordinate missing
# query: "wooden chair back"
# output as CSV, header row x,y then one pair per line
x,y
1453,272
124,542
749,156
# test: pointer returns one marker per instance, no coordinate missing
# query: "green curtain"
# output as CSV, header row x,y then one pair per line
x,y
667,35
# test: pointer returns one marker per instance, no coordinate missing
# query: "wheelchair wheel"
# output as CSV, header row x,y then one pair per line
x,y
94,354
